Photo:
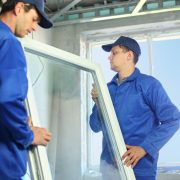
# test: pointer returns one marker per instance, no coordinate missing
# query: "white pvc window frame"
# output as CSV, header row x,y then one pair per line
x,y
39,158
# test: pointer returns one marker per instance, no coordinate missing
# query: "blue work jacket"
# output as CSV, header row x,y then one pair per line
x,y
146,116
15,134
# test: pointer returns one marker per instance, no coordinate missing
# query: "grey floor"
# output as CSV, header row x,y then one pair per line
x,y
168,176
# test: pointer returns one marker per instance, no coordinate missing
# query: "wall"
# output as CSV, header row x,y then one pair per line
x,y
68,37
42,35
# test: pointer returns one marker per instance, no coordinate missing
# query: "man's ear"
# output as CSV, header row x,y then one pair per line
x,y
18,8
130,55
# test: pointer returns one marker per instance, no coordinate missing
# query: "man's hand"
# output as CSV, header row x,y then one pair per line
x,y
133,155
94,93
41,136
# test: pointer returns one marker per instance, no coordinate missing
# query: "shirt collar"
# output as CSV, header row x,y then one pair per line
x,y
130,78
4,26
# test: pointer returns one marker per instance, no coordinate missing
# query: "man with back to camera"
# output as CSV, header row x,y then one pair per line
x,y
146,115
17,19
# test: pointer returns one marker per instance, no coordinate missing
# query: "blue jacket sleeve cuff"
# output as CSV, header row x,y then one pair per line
x,y
29,140
150,149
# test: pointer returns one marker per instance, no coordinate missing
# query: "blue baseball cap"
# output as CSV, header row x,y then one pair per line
x,y
126,42
39,4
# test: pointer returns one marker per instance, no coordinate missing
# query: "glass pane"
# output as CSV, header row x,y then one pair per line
x,y
58,93
111,164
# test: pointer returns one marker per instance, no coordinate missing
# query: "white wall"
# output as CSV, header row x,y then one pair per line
x,y
68,37
42,35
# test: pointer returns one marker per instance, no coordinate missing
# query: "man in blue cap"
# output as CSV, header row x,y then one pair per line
x,y
146,115
17,19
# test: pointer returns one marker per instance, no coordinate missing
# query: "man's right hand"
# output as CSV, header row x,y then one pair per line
x,y
41,136
94,93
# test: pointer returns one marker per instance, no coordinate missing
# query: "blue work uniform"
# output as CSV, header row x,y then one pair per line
x,y
146,116
15,134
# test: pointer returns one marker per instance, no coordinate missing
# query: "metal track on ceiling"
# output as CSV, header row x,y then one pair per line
x,y
73,13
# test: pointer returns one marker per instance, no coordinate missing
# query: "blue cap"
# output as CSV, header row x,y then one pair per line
x,y
126,42
39,4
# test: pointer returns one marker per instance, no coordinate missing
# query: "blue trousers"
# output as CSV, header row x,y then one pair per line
x,y
145,178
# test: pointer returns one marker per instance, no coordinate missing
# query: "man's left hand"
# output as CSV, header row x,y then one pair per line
x,y
133,155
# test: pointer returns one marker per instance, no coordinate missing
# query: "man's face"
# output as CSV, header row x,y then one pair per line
x,y
118,58
27,22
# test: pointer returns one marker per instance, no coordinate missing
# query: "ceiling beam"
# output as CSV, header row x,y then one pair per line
x,y
116,17
139,6
65,9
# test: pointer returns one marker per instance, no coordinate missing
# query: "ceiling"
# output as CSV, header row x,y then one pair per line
x,y
54,5
79,11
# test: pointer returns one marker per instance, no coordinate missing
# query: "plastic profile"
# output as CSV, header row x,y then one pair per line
x,y
105,102
38,160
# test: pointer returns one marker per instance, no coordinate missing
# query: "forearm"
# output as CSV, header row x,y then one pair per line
x,y
95,122
14,117
159,136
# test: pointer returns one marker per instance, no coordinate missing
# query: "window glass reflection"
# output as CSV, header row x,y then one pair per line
x,y
57,90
